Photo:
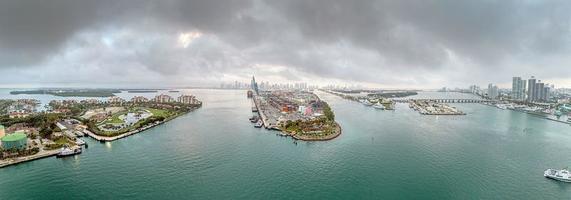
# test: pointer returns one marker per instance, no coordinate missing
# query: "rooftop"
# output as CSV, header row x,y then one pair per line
x,y
19,135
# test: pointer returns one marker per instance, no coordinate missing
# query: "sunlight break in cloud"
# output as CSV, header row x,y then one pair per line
x,y
184,39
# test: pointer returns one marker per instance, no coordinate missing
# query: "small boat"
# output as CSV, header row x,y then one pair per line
x,y
379,106
259,124
79,142
560,175
254,119
79,134
367,103
501,106
65,151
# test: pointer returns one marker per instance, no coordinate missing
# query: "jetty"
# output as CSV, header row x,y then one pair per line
x,y
39,155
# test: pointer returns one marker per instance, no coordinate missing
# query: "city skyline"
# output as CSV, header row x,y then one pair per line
x,y
376,44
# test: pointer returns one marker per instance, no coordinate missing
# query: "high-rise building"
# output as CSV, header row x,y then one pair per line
x,y
492,91
538,92
139,99
163,98
254,85
187,99
518,89
546,93
531,89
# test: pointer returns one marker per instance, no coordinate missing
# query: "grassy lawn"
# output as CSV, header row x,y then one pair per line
x,y
158,112
115,118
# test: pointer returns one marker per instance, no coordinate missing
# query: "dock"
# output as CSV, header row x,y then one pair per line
x,y
18,160
259,111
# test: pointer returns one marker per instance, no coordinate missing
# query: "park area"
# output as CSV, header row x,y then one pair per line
x,y
125,120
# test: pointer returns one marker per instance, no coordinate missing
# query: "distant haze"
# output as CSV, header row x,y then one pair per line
x,y
375,43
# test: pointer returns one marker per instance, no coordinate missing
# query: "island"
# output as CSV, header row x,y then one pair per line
x,y
299,114
71,92
27,134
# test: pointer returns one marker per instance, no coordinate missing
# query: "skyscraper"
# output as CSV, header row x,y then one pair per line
x,y
254,85
546,93
492,91
531,89
518,89
538,92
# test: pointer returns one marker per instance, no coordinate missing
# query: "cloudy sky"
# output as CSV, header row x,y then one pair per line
x,y
389,44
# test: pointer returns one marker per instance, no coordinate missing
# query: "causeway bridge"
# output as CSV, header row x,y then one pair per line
x,y
446,100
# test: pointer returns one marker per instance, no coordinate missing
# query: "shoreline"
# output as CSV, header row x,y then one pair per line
x,y
327,138
18,160
54,152
538,115
101,138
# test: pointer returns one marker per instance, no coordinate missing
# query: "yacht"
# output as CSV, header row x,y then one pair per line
x,y
254,119
79,142
367,103
379,106
259,124
560,175
501,106
65,151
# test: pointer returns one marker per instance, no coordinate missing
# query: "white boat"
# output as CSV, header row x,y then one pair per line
x,y
501,106
79,142
367,103
65,151
259,124
379,106
560,175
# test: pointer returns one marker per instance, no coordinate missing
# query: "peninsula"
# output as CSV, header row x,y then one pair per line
x,y
27,134
300,114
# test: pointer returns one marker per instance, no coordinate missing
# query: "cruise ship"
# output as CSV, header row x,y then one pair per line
x,y
560,175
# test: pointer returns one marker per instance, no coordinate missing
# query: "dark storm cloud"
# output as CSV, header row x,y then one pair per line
x,y
385,42
31,30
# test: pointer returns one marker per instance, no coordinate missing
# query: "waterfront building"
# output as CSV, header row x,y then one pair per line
x,y
163,98
115,99
139,99
474,89
187,99
539,91
17,140
91,101
531,89
518,89
547,92
492,91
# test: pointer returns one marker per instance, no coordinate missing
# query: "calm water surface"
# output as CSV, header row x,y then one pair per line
x,y
216,153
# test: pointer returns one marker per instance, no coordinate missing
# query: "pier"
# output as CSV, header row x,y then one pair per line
x,y
39,155
260,112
